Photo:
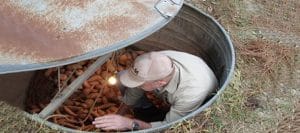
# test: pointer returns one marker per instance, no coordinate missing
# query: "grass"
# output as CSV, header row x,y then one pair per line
x,y
253,101
263,94
229,108
264,89
14,121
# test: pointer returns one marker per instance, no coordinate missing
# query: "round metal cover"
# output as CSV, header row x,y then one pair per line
x,y
37,34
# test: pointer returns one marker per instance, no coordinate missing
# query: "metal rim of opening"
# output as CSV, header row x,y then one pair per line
x,y
207,104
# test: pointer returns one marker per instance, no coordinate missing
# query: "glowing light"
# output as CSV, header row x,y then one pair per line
x,y
112,80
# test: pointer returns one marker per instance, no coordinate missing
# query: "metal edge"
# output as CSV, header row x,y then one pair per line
x,y
207,104
5,69
211,101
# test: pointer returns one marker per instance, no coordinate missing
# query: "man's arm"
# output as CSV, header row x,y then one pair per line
x,y
142,124
117,122
124,109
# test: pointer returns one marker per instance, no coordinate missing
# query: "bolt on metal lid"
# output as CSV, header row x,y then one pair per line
x,y
37,34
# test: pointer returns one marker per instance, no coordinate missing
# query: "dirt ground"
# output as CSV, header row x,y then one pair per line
x,y
264,93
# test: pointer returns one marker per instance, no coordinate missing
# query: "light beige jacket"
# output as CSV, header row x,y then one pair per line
x,y
192,82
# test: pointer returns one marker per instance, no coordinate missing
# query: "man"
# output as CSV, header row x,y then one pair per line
x,y
184,80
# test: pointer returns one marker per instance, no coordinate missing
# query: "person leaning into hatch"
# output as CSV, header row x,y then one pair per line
x,y
180,79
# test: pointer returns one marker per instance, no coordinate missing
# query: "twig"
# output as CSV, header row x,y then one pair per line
x,y
60,88
56,115
93,105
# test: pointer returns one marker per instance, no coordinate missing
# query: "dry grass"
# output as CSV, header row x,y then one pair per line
x,y
290,123
249,103
267,58
263,95
264,91
14,121
189,126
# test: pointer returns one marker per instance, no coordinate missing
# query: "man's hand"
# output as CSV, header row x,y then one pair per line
x,y
113,122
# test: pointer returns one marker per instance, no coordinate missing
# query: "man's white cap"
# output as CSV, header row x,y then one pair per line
x,y
147,67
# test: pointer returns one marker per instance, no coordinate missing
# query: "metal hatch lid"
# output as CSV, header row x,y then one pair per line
x,y
38,34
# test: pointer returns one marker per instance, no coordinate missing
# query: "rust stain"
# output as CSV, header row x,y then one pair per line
x,y
35,31
30,38
121,26
141,8
73,3
115,24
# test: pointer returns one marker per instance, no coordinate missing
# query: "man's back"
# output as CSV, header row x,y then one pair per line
x,y
193,81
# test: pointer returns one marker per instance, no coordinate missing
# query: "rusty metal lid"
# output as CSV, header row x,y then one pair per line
x,y
37,34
